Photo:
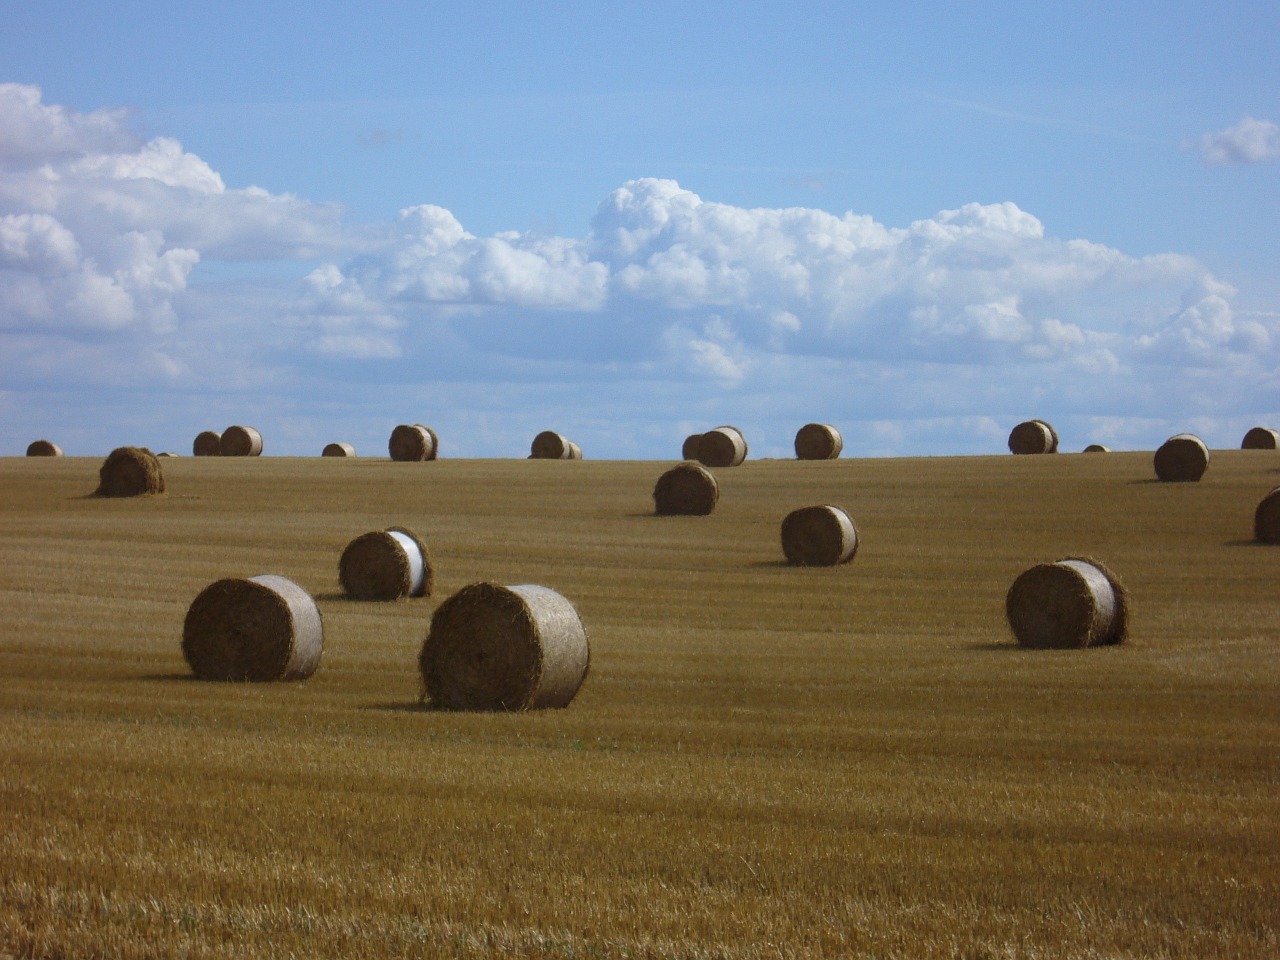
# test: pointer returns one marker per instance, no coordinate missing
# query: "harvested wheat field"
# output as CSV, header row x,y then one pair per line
x,y
764,761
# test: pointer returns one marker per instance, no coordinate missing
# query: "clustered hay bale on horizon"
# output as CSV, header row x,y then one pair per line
x,y
1033,436
208,443
238,441
413,443
549,445
722,447
338,450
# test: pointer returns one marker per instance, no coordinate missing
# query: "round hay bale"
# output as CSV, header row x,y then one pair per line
x,y
261,629
504,648
818,441
241,442
689,449
575,451
208,443
130,472
43,448
722,447
1260,438
549,445
434,452
1266,519
687,489
1182,458
1033,436
1076,602
1097,448
168,453
822,536
338,450
412,442
389,564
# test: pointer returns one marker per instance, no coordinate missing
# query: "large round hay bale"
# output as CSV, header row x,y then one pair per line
x,y
689,449
822,536
1033,436
504,648
818,441
687,489
1097,448
208,443
1076,602
1260,438
412,442
1266,519
389,564
260,629
1182,458
43,448
722,447
130,472
549,445
338,450
241,442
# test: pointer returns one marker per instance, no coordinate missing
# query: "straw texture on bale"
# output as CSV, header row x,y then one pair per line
x,y
208,443
822,536
434,452
722,447
1033,436
338,450
1266,519
687,489
1076,602
818,441
689,449
1097,448
549,445
130,472
1260,438
412,442
1182,458
261,629
491,647
241,442
43,448
390,564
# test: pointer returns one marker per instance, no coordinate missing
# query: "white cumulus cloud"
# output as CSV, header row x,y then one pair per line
x,y
1249,141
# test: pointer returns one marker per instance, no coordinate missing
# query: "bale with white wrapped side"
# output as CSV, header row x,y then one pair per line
x,y
412,443
240,441
261,629
338,450
390,564
1076,602
822,536
549,445
1033,436
1182,458
722,447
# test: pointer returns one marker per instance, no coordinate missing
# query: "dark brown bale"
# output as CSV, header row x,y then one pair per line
x,y
1266,518
1260,438
689,449
261,629
822,536
1097,448
549,445
1076,602
338,450
130,472
1182,458
504,648
391,564
241,442
208,443
412,443
722,447
687,489
818,441
43,448
1033,436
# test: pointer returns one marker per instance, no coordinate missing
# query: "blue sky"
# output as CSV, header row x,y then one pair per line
x,y
921,222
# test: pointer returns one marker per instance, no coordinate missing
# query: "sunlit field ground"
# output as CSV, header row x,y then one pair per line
x,y
765,761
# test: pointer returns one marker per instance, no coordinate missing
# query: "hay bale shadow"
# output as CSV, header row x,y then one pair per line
x,y
412,706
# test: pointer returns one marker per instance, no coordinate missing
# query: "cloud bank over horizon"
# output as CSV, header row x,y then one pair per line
x,y
130,270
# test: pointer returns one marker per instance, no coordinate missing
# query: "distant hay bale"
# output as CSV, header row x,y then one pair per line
x,y
338,450
412,442
241,442
689,449
1260,438
43,448
434,452
818,441
504,648
549,445
130,472
1097,448
1182,458
1033,436
1266,519
167,453
390,564
575,451
208,443
261,629
687,489
722,447
1076,602
822,536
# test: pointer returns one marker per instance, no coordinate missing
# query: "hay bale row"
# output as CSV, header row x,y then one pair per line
x,y
687,489
43,448
549,445
391,564
1076,602
1182,458
1260,438
1033,436
818,441
413,443
338,450
130,472
208,443
722,447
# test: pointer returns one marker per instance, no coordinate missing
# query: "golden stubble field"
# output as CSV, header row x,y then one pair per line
x,y
765,761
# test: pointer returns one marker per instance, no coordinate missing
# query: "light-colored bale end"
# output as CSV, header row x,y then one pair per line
x,y
434,452
412,443
722,447
1033,436
130,472
1076,602
575,451
43,448
261,629
818,441
689,449
1097,448
391,564
1182,459
240,441
1260,438
549,445
1266,519
338,450
822,536
687,489
504,648
166,454
208,443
